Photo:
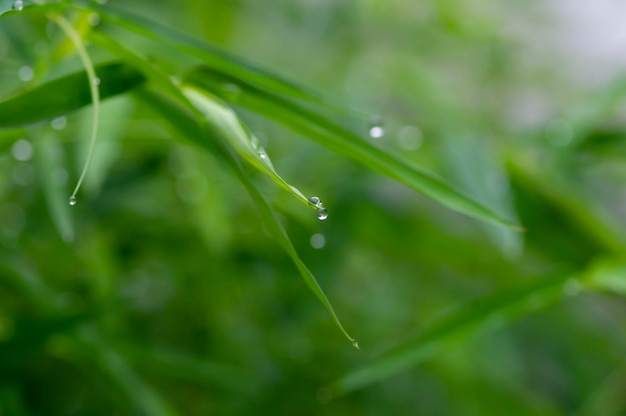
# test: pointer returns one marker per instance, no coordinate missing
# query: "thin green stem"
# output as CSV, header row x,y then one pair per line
x,y
93,87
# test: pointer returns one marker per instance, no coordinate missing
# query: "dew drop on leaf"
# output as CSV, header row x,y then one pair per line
x,y
26,73
376,130
322,214
93,19
72,200
18,5
315,201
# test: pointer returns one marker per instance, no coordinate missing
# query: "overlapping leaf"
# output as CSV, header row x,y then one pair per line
x,y
502,306
314,125
270,95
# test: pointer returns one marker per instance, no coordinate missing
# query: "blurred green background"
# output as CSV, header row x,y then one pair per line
x,y
161,292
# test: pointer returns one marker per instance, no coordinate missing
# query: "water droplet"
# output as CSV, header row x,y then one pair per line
x,y
93,19
26,73
96,81
59,123
18,5
72,200
256,145
376,130
318,241
315,201
355,344
22,150
322,214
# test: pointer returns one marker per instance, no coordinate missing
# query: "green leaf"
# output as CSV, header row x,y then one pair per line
x,y
182,120
608,274
6,8
474,165
210,55
49,157
499,307
63,95
597,224
174,365
221,118
312,124
227,125
280,235
90,344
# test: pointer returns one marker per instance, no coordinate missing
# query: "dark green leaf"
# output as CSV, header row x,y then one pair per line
x,y
502,306
63,95
314,125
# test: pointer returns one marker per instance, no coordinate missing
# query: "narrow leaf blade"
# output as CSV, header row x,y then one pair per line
x,y
184,122
227,125
314,125
63,95
503,306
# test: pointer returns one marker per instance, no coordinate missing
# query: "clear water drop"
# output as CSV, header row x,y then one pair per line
x,y
96,81
322,214
376,130
26,73
315,201
93,19
318,241
22,150
18,5
72,200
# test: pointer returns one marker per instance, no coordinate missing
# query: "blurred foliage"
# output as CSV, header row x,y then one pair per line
x,y
170,288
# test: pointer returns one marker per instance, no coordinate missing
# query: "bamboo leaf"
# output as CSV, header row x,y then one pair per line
x,y
183,121
222,118
209,54
314,125
7,10
63,95
226,123
49,158
503,306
